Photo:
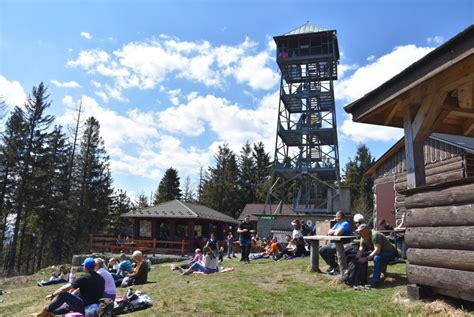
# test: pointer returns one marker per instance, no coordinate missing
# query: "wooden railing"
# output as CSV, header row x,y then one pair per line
x,y
147,246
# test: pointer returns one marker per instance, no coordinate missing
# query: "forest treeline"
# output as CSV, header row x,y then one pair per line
x,y
56,186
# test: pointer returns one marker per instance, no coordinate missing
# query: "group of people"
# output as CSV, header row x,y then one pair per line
x,y
96,283
373,246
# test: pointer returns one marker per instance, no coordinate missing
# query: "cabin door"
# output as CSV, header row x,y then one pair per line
x,y
385,202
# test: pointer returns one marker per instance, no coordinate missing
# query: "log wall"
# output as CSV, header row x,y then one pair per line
x,y
440,237
443,163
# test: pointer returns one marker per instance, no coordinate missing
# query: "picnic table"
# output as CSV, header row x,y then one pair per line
x,y
338,240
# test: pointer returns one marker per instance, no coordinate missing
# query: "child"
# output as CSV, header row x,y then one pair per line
x,y
209,265
196,258
62,276
73,275
230,245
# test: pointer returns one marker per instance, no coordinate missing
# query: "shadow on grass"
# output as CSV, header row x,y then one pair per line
x,y
394,280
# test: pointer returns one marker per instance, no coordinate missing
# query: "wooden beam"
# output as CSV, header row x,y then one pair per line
x,y
462,281
415,161
451,238
465,95
462,215
468,127
395,109
450,259
427,115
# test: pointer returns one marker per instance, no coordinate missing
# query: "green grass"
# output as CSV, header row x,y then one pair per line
x,y
262,288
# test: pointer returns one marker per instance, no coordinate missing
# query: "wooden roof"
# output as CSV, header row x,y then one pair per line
x,y
177,209
436,93
465,143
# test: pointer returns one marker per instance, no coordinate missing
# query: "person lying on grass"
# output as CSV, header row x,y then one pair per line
x,y
196,258
271,251
209,265
91,289
61,276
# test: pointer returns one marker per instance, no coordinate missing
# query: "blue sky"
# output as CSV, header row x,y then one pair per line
x,y
171,80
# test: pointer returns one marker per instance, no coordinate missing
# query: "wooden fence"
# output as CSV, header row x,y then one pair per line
x,y
98,243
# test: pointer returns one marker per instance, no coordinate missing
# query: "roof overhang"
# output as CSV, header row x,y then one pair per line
x,y
438,89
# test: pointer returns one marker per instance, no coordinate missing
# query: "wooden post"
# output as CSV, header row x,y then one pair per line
x,y
341,257
154,246
415,161
182,247
191,224
315,256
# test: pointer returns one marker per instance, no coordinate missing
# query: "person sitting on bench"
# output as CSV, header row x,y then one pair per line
x,y
328,252
382,252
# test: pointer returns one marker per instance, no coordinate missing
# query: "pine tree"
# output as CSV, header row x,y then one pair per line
x,y
188,194
141,202
247,178
360,185
93,188
37,124
263,170
220,190
11,150
120,204
168,188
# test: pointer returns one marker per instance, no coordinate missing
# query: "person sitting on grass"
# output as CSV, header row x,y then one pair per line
x,y
382,251
209,265
289,251
110,289
124,268
196,258
328,252
114,265
91,289
61,276
140,272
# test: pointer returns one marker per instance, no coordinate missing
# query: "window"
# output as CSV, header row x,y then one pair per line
x,y
145,228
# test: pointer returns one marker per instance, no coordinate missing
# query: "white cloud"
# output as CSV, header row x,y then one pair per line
x,y
12,92
96,84
68,101
102,95
231,123
369,77
371,58
435,40
174,96
86,35
145,65
87,59
361,132
66,84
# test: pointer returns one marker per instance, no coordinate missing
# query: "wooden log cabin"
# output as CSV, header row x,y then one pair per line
x,y
446,157
433,95
177,220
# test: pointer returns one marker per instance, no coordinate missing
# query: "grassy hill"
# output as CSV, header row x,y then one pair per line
x,y
264,287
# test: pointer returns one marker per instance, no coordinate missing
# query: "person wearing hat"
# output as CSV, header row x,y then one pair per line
x,y
328,252
375,246
91,288
245,230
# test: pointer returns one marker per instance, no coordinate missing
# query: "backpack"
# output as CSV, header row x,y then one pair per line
x,y
356,273
133,301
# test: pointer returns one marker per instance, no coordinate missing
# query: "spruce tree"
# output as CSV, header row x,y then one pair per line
x,y
37,124
360,184
168,189
247,177
263,170
220,189
93,190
